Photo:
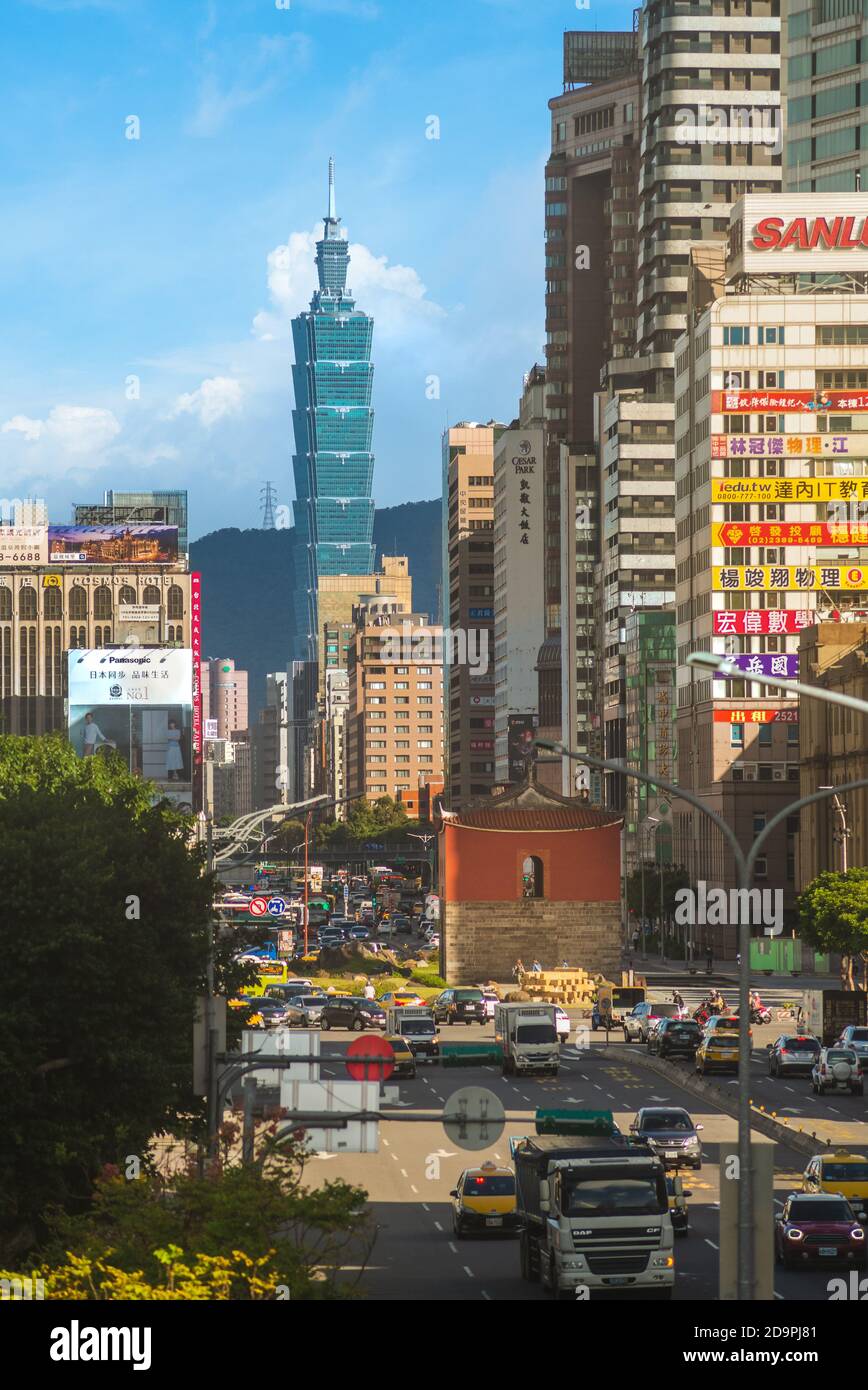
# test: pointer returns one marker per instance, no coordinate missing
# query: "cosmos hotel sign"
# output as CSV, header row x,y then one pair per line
x,y
787,234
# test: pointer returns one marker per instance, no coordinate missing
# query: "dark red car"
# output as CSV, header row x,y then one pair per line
x,y
818,1228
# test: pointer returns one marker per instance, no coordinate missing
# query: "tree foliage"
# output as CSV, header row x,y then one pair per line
x,y
674,877
104,940
833,916
240,1231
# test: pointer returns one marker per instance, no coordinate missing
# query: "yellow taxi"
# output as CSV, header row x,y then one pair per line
x,y
401,999
244,1003
484,1203
842,1173
405,1061
718,1051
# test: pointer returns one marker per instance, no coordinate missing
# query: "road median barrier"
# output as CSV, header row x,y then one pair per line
x,y
782,1131
481,1054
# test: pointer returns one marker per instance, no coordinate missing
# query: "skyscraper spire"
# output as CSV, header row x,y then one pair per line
x,y
332,209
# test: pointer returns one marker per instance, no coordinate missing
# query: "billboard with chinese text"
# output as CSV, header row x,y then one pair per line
x,y
139,702
767,578
113,545
756,621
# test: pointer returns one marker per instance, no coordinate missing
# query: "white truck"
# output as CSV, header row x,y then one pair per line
x,y
528,1037
595,1215
415,1024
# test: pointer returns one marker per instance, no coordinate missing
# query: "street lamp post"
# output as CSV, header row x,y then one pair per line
x,y
658,860
745,865
842,834
427,841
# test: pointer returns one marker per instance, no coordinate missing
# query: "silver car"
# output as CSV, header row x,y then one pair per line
x,y
305,1010
855,1037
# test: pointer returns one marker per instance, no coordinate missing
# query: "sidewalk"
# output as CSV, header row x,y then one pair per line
x,y
725,971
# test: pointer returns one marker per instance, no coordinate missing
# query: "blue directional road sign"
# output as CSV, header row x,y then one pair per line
x,y
276,906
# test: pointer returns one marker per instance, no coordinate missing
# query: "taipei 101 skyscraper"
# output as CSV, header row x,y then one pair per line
x,y
333,424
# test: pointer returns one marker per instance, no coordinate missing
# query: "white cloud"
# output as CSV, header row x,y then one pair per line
x,y
79,429
22,424
217,398
394,295
254,78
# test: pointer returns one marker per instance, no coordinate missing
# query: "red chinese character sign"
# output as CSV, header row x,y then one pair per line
x,y
739,622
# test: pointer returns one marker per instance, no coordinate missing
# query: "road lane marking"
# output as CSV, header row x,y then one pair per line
x,y
468,1271
387,1144
404,1173
834,1111
778,1295
414,1189
596,1087
486,1296
453,1248
425,1206
711,1243
395,1156
437,1224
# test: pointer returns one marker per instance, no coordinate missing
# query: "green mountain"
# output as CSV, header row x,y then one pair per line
x,y
247,582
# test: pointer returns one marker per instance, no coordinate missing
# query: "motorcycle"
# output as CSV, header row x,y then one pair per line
x,y
702,1015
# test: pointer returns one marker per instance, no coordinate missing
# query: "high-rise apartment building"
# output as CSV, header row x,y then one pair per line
x,y
518,596
394,720
824,82
468,604
227,696
333,424
833,834
336,708
771,466
339,594
270,743
590,269
710,132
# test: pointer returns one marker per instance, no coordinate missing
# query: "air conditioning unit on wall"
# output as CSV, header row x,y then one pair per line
x,y
750,774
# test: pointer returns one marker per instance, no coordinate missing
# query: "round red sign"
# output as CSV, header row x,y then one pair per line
x,y
258,907
370,1058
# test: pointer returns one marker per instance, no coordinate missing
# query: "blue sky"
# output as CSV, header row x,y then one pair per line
x,y
147,283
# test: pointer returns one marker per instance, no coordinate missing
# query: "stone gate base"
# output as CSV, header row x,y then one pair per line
x,y
482,941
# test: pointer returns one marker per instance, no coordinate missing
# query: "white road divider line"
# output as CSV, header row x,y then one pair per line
x,y
486,1296
404,1173
711,1243
468,1271
453,1248
414,1189
425,1206
437,1224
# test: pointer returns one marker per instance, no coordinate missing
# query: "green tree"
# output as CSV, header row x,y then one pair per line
x,y
674,877
240,1231
833,916
104,941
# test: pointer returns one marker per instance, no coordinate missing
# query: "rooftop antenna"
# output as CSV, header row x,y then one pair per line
x,y
268,494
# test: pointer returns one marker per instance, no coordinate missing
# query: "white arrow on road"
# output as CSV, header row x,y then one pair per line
x,y
443,1153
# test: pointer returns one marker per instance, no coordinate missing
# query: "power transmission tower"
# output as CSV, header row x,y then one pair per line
x,y
268,495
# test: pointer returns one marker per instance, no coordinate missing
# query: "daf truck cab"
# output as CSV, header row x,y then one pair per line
x,y
594,1213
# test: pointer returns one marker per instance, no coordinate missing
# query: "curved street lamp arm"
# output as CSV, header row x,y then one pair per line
x,y
674,790
788,811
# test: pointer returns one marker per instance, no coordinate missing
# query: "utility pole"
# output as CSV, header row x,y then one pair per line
x,y
306,888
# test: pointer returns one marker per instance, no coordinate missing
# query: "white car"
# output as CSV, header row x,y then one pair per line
x,y
489,1000
562,1023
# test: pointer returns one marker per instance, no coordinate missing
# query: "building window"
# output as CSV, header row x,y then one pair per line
x,y
102,602
27,602
5,603
126,594
52,603
736,736
532,877
150,595
175,607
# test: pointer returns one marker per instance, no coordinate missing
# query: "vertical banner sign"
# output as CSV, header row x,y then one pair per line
x,y
196,644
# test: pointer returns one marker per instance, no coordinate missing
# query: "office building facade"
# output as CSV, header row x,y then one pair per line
x,y
771,467
824,80
333,423
468,592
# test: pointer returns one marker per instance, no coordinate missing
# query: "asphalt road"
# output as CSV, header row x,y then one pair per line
x,y
416,1255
